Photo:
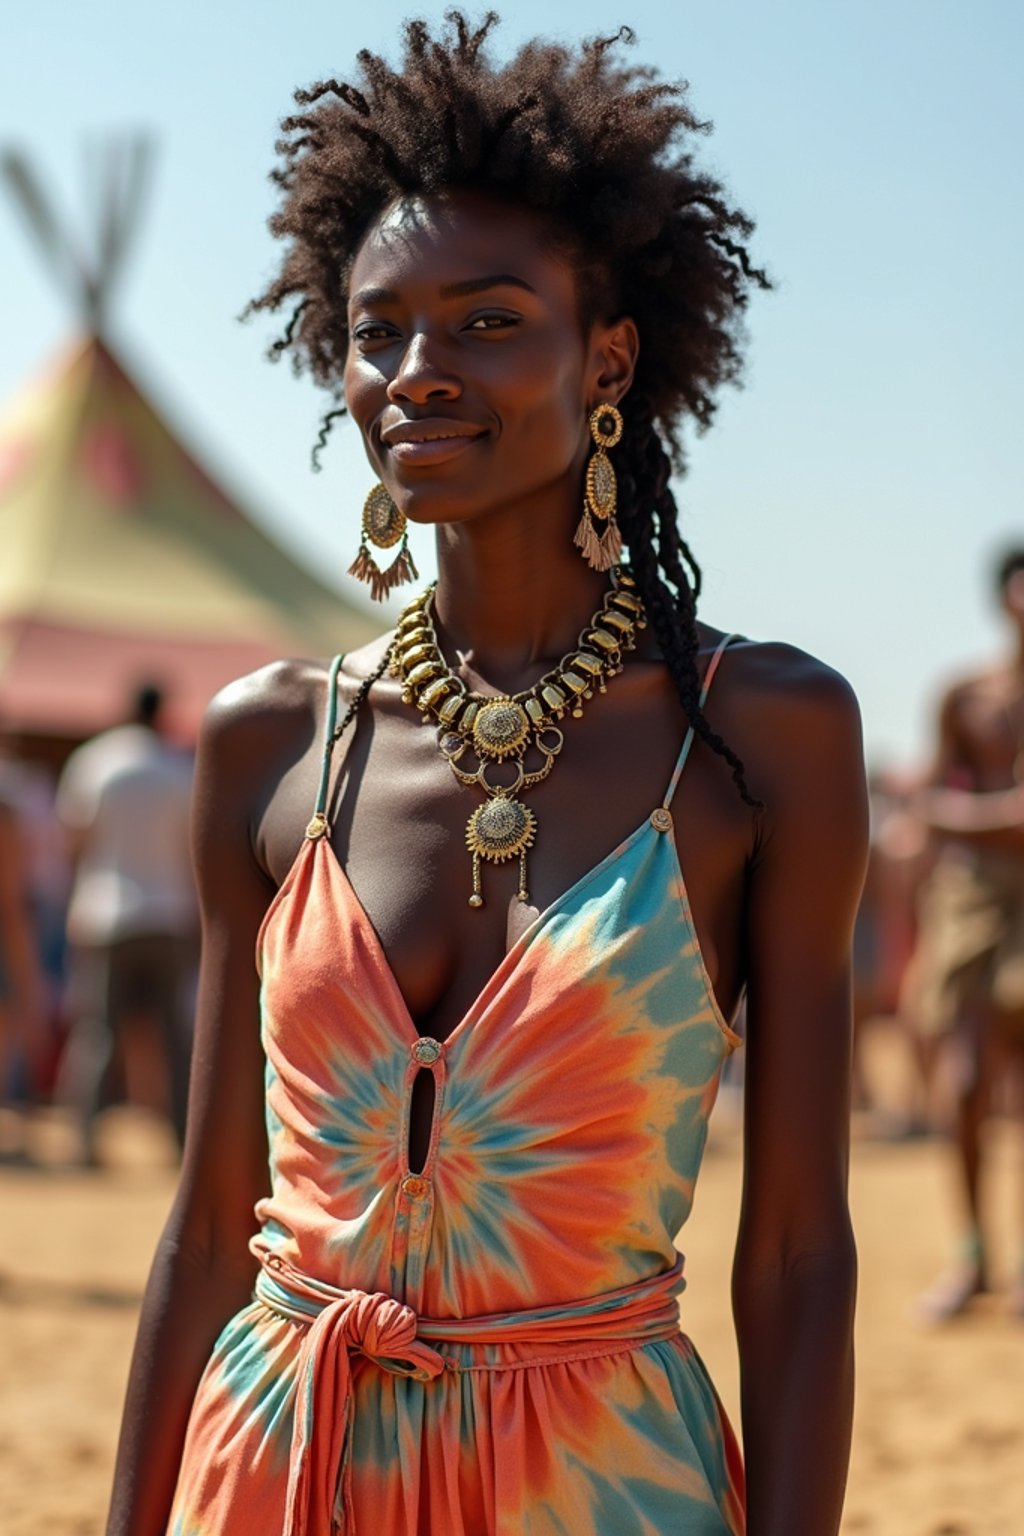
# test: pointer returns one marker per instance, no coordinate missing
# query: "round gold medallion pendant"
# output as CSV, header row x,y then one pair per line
x,y
499,728
500,829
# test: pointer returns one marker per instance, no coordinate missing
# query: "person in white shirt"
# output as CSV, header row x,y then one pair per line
x,y
124,800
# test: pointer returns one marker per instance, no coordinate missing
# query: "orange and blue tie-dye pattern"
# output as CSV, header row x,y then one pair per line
x,y
394,1374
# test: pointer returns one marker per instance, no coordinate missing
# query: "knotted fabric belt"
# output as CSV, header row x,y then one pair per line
x,y
341,1322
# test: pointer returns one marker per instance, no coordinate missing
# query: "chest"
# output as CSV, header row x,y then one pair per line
x,y
399,832
990,727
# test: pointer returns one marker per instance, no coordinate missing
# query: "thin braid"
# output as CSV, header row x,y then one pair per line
x,y
326,426
287,337
361,692
647,495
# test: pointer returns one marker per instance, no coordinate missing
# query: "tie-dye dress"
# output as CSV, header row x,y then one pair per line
x,y
488,1346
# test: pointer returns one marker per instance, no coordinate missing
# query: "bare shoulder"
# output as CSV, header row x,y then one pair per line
x,y
265,701
778,686
981,686
795,722
277,703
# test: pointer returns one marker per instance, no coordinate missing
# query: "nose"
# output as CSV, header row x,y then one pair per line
x,y
421,375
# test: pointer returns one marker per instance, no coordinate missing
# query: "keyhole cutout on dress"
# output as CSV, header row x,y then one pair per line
x,y
421,1119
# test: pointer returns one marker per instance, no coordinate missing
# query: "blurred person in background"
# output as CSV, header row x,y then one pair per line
x,y
966,984
884,940
23,1012
123,799
29,788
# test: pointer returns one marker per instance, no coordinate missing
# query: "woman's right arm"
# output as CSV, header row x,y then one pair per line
x,y
203,1273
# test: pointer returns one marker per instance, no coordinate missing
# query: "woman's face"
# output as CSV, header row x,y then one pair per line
x,y
469,373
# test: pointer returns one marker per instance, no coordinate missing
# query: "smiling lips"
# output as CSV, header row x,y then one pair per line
x,y
429,441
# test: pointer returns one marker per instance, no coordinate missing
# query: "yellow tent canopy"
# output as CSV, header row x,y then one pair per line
x,y
121,561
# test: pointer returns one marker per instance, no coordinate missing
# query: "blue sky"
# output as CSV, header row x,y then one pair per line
x,y
849,499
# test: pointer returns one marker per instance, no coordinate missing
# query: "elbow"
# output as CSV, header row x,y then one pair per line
x,y
196,1248
815,1281
205,1283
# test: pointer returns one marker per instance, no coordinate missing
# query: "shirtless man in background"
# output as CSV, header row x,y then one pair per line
x,y
966,983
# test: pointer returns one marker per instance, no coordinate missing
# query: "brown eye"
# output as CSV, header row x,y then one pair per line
x,y
372,331
492,322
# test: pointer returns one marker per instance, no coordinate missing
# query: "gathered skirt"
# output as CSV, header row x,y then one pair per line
x,y
602,1440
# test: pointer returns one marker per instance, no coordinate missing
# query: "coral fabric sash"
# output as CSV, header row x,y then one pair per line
x,y
341,1322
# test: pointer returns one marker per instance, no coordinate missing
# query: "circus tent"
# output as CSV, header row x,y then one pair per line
x,y
122,561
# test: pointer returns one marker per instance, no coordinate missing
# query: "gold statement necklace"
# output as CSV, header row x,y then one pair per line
x,y
471,727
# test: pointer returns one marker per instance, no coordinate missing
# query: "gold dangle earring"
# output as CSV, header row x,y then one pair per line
x,y
601,550
383,525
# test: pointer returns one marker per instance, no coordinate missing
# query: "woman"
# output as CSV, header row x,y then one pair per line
x,y
493,1021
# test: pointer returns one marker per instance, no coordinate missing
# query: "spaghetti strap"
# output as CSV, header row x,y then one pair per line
x,y
709,678
318,825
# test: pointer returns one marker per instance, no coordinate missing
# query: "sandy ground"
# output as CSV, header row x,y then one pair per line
x,y
939,1441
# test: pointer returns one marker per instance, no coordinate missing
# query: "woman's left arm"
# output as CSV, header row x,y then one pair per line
x,y
794,1279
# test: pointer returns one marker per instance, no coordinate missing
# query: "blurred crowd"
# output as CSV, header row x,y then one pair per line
x,y
98,930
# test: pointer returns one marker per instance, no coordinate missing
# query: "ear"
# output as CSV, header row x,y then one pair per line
x,y
614,349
